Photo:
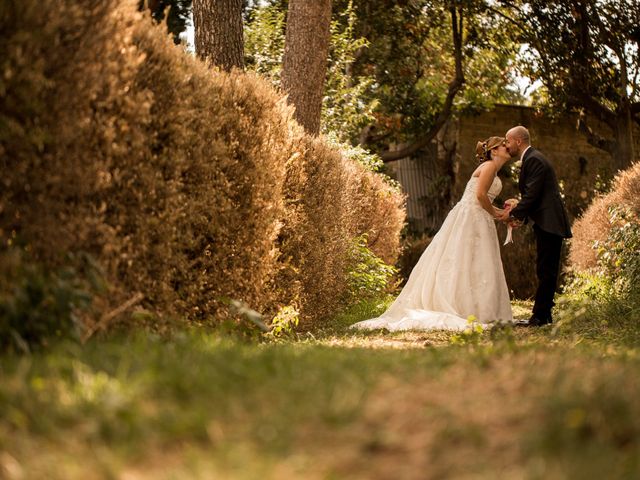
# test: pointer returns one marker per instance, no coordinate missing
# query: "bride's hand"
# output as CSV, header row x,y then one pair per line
x,y
500,214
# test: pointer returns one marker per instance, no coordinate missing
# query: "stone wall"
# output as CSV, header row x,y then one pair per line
x,y
581,168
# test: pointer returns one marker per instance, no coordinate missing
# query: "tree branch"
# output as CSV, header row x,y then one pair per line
x,y
454,87
584,100
594,139
107,318
368,135
529,32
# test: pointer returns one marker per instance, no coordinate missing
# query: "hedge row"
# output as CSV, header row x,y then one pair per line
x,y
595,225
187,184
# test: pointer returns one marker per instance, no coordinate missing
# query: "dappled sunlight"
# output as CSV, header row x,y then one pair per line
x,y
181,263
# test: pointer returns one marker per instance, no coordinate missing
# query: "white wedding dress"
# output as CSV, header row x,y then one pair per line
x,y
459,274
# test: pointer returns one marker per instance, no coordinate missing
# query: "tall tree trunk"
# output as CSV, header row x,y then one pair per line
x,y
625,154
218,32
305,59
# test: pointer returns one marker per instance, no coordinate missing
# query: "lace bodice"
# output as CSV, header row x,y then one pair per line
x,y
472,187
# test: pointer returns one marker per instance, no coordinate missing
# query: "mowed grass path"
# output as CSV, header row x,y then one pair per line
x,y
335,404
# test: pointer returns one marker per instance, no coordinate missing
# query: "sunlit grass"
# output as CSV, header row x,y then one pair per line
x,y
336,403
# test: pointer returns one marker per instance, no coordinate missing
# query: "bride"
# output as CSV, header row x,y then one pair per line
x,y
460,273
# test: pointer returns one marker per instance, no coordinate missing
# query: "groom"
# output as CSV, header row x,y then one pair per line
x,y
540,202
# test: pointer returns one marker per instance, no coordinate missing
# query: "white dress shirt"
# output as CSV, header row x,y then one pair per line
x,y
525,151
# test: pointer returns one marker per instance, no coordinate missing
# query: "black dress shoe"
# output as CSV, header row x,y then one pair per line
x,y
538,322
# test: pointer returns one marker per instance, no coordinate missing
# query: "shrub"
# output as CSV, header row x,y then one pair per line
x,y
619,253
317,228
212,176
595,224
38,305
603,302
330,200
187,184
368,275
379,210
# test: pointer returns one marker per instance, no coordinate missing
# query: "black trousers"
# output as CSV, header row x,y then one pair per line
x,y
549,247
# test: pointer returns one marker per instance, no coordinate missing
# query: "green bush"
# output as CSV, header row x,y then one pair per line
x,y
38,305
596,222
604,301
619,254
368,275
603,297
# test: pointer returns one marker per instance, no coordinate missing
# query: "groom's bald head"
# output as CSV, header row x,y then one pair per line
x,y
517,140
520,133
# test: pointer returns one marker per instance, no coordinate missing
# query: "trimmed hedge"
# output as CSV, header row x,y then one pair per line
x,y
187,184
595,225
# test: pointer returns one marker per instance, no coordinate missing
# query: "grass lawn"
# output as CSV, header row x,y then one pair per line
x,y
512,403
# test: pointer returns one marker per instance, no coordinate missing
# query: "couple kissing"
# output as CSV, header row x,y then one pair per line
x,y
460,273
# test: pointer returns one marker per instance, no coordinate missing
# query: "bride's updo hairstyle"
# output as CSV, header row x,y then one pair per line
x,y
483,149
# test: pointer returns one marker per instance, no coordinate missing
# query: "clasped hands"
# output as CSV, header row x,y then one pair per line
x,y
503,215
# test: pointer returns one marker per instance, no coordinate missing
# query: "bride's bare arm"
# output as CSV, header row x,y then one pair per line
x,y
487,174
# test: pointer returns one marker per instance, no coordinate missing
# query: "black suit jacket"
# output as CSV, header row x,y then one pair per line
x,y
541,200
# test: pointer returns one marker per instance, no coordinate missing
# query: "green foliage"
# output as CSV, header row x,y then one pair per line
x,y
283,325
410,57
347,106
606,300
264,35
581,49
389,66
470,335
619,254
37,304
368,275
371,161
249,325
245,324
367,159
592,308
362,309
586,55
614,282
485,339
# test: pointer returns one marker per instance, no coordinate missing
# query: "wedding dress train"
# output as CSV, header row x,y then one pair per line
x,y
458,275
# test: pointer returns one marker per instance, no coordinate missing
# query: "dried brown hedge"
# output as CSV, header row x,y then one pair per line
x,y
187,184
329,201
594,224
